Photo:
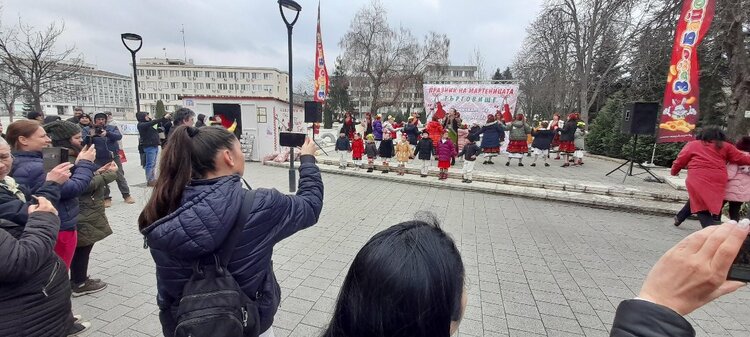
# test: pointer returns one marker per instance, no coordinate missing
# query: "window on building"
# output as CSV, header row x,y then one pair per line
x,y
243,87
186,73
199,86
174,85
231,87
208,73
262,115
221,74
256,76
150,72
233,75
268,88
197,74
209,86
186,85
141,72
266,76
222,86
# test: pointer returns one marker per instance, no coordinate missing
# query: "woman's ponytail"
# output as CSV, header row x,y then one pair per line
x,y
189,154
175,172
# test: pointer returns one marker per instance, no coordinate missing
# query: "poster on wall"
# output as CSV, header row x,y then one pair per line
x,y
681,97
473,101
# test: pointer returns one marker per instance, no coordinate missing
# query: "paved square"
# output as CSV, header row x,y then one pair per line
x,y
533,268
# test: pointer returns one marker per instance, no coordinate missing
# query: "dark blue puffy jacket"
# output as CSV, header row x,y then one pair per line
x,y
28,171
200,226
492,135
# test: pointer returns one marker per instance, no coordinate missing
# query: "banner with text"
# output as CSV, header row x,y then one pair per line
x,y
473,101
681,98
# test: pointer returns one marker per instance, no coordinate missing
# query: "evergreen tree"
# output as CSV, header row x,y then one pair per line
x,y
507,75
498,76
338,93
160,110
28,104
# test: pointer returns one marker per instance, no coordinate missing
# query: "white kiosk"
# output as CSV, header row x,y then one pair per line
x,y
259,119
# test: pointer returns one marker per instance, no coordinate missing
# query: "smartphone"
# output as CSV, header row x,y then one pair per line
x,y
292,139
54,156
740,270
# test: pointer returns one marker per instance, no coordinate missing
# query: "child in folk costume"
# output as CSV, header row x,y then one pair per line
x,y
567,138
580,143
425,150
435,129
403,154
554,125
358,149
542,143
343,147
445,151
386,151
738,184
518,146
463,136
470,152
389,126
493,135
372,152
377,129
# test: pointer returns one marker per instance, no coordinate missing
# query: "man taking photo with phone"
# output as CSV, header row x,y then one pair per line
x,y
105,138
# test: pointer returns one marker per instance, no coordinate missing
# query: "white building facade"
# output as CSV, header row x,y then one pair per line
x,y
169,80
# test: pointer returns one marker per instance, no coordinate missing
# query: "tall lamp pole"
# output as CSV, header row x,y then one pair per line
x,y
135,38
296,8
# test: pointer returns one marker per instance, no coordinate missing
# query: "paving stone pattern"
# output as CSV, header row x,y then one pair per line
x,y
533,268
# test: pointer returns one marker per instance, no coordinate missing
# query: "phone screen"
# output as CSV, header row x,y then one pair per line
x,y
292,139
740,270
54,156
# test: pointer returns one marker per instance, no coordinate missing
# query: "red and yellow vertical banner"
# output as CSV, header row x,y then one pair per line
x,y
681,97
321,72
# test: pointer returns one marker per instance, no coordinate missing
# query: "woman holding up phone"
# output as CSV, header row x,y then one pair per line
x,y
27,139
195,204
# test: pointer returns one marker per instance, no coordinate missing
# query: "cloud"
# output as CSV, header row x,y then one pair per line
x,y
252,33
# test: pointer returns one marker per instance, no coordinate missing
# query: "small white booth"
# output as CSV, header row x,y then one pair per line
x,y
259,120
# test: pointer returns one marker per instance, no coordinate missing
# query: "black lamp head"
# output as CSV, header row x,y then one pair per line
x,y
290,4
131,37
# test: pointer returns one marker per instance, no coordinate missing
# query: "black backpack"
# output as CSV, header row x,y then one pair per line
x,y
212,302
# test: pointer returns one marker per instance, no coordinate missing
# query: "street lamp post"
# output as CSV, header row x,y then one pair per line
x,y
136,38
296,8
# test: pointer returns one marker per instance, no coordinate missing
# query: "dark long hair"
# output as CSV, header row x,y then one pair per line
x,y
712,134
189,154
408,280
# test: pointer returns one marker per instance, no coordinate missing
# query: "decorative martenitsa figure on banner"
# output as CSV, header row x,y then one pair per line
x,y
518,146
493,135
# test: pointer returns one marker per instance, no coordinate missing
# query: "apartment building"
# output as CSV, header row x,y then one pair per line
x,y
169,79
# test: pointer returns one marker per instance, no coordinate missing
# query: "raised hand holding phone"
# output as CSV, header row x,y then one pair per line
x,y
88,153
60,173
694,272
309,148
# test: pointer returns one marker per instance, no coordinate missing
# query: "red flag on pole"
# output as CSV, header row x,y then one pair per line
x,y
681,97
321,72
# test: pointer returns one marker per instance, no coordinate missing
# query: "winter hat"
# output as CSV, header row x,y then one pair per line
x,y
50,119
61,130
34,115
101,115
370,137
581,124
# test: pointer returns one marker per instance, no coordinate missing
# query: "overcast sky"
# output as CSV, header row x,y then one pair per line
x,y
251,32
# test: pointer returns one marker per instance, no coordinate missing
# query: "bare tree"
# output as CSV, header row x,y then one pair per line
x,y
389,59
9,93
477,59
31,62
734,22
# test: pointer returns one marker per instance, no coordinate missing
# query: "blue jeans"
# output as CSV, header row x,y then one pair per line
x,y
151,153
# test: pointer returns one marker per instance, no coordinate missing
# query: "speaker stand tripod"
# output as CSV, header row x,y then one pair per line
x,y
631,162
315,141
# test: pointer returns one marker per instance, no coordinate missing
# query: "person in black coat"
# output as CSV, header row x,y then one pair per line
x,y
425,150
470,152
386,151
412,131
542,143
200,121
148,140
567,138
343,147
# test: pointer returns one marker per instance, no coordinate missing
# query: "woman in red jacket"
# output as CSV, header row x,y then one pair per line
x,y
706,160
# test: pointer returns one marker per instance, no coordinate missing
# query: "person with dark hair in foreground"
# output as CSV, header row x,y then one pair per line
x,y
195,204
706,159
408,280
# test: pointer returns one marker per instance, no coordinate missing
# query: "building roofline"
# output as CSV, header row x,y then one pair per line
x,y
205,66
239,98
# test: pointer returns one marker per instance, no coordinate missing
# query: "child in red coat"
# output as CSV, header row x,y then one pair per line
x,y
358,149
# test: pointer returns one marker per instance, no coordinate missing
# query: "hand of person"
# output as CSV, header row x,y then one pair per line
x,y
168,116
103,134
43,205
88,153
60,174
109,167
309,148
694,272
